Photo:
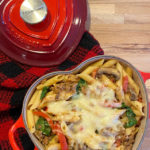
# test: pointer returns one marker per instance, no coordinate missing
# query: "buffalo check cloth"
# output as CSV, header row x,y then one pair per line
x,y
16,78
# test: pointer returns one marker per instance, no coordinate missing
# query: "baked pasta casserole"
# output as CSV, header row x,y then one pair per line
x,y
99,108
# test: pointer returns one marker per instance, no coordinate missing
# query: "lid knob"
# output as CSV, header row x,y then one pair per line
x,y
33,11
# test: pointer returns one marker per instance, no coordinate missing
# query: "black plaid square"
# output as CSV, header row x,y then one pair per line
x,y
17,98
2,77
15,113
78,55
66,64
87,41
10,69
24,67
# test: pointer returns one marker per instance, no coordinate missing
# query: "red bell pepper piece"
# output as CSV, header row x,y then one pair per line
x,y
55,128
125,83
94,73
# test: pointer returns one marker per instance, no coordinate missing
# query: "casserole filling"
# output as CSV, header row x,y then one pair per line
x,y
98,109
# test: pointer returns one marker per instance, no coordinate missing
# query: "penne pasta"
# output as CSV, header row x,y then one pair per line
x,y
129,71
119,90
53,147
127,100
65,128
51,93
50,97
87,78
51,81
121,147
30,121
124,120
68,118
138,118
69,77
132,83
35,118
130,130
33,98
109,63
93,67
137,112
120,69
98,63
107,82
137,108
89,70
37,101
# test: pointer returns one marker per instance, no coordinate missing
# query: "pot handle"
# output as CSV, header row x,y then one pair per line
x,y
146,76
19,124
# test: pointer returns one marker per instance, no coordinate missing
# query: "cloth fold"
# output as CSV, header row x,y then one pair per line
x,y
15,79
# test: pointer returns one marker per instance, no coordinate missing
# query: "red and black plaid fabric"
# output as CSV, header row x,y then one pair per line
x,y
15,79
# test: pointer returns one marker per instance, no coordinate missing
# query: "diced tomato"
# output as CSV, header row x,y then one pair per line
x,y
81,128
118,142
112,105
125,83
45,108
140,100
108,105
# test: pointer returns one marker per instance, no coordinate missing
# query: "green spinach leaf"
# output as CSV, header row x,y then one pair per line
x,y
132,121
43,126
131,116
44,92
80,84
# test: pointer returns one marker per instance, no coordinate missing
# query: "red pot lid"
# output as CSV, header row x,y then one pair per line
x,y
46,43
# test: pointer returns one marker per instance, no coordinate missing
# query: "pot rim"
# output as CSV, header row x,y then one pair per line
x,y
76,69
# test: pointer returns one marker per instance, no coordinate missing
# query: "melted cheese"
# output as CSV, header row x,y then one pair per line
x,y
59,107
94,116
104,93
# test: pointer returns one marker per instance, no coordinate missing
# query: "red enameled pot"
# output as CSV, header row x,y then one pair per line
x,y
46,43
140,78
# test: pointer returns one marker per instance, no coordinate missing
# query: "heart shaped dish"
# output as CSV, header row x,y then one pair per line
x,y
46,43
101,104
